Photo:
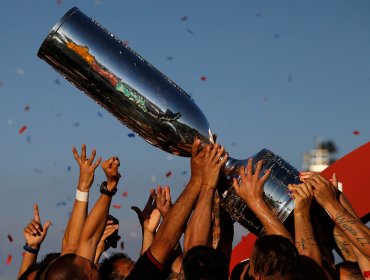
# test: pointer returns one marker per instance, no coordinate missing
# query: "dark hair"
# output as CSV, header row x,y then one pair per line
x,y
274,254
44,263
108,269
68,267
205,263
238,270
352,267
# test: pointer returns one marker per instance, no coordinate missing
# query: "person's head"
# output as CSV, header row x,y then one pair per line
x,y
349,271
71,267
205,263
117,267
274,257
240,271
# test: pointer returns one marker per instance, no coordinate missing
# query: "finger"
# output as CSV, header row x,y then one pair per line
x,y
305,175
96,164
36,215
75,154
195,147
224,159
334,180
92,156
300,191
46,226
219,155
137,210
27,230
250,167
266,175
310,189
83,152
214,138
33,229
258,168
214,151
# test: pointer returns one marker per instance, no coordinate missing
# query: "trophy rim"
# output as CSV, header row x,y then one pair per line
x,y
56,27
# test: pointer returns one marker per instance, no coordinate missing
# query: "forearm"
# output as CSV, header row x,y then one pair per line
x,y
305,239
363,262
74,227
94,228
269,221
148,238
344,245
28,260
350,226
198,229
172,227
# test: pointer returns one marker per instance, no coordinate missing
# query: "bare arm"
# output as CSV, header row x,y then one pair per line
x,y
304,235
34,234
77,219
173,225
110,228
199,227
251,191
97,219
325,194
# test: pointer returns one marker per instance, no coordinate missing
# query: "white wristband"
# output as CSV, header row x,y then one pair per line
x,y
82,196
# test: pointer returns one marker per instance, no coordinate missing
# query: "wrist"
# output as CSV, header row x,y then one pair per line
x,y
33,249
333,208
82,196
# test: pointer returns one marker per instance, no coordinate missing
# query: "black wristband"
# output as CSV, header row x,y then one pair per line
x,y
30,249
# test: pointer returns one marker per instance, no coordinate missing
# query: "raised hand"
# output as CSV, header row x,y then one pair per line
x,y
34,233
198,157
214,159
149,217
302,195
162,198
87,168
110,167
324,191
251,185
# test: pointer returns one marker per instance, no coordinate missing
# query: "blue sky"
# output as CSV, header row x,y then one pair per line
x,y
279,75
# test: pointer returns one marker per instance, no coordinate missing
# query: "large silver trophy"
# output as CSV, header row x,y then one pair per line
x,y
152,105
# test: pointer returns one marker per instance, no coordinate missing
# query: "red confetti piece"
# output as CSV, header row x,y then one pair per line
x,y
356,132
27,108
168,174
10,238
203,78
125,43
124,194
117,206
1,83
122,245
9,259
22,129
59,2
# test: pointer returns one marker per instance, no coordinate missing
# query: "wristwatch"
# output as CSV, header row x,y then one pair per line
x,y
104,190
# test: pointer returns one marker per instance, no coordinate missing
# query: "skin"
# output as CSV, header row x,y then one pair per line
x,y
34,234
78,216
251,191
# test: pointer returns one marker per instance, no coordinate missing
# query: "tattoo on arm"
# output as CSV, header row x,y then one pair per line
x,y
346,225
305,242
342,245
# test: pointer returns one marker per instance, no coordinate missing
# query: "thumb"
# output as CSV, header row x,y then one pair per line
x,y
137,210
46,226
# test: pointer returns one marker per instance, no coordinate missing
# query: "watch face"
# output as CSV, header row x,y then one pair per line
x,y
104,189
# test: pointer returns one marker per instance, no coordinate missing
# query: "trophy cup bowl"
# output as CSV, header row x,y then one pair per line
x,y
152,105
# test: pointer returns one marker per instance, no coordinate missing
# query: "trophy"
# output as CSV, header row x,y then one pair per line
x,y
152,105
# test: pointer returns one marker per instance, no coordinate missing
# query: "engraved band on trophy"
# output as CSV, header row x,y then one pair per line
x,y
152,105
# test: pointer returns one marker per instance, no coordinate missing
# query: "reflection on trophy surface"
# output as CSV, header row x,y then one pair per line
x,y
152,105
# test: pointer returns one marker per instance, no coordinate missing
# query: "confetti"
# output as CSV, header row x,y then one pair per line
x,y
59,2
22,129
100,114
184,173
117,206
28,139
290,78
258,14
57,81
9,259
122,245
125,43
63,203
69,168
26,108
276,36
124,194
184,18
131,135
356,132
10,238
153,178
37,171
168,174
203,78
189,31
1,83
20,71
169,57
76,124
233,144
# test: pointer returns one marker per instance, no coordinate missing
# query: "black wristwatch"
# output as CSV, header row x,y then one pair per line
x,y
104,190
